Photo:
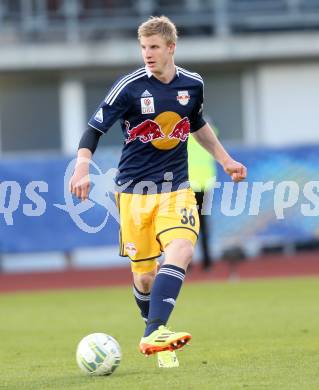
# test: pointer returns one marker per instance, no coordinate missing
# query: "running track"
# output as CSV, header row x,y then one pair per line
x,y
302,264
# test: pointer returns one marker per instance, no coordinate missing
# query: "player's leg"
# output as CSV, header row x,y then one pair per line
x,y
178,230
138,241
142,284
141,289
136,231
168,283
179,252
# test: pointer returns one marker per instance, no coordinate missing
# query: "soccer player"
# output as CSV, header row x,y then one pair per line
x,y
158,105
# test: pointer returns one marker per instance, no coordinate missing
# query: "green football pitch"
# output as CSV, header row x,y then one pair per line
x,y
246,335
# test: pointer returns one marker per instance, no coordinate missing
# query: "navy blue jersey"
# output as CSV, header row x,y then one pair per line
x,y
156,119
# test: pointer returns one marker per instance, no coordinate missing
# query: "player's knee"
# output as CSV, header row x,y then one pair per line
x,y
144,281
179,252
186,252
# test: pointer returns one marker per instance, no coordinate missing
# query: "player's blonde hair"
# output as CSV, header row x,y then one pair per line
x,y
158,25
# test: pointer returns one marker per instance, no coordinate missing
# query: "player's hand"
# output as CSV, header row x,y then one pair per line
x,y
235,170
79,184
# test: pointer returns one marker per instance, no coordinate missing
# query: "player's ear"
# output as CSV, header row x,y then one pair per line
x,y
172,47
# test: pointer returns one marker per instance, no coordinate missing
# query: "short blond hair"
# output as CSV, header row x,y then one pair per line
x,y
158,25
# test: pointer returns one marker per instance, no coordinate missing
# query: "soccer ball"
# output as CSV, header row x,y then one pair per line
x,y
98,354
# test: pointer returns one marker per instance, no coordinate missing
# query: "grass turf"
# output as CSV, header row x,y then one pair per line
x,y
246,335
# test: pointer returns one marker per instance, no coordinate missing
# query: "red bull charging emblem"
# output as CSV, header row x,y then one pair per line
x,y
181,130
165,132
146,131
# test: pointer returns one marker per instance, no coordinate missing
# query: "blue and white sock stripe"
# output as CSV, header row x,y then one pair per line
x,y
194,76
141,297
122,83
172,272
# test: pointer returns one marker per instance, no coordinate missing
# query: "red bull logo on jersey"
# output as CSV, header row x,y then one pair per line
x,y
131,249
183,97
181,130
146,131
165,132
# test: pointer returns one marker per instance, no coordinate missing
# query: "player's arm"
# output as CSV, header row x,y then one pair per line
x,y
79,184
101,121
208,139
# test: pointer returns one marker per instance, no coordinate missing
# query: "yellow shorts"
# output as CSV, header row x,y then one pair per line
x,y
150,222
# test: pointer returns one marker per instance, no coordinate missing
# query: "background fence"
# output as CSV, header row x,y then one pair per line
x,y
277,205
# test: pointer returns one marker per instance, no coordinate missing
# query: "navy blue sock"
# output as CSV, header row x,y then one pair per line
x,y
143,302
165,290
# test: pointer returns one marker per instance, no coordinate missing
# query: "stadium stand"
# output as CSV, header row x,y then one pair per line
x,y
94,19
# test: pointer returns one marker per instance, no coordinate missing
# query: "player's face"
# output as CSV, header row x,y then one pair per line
x,y
157,54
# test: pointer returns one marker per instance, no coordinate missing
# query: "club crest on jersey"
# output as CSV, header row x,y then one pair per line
x,y
131,249
147,105
183,97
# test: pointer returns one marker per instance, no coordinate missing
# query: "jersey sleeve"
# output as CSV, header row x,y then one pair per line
x,y
197,121
112,108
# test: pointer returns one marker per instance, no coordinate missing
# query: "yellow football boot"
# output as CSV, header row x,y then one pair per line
x,y
163,339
